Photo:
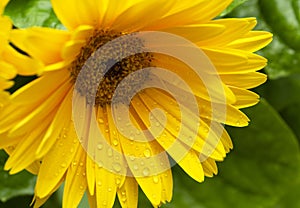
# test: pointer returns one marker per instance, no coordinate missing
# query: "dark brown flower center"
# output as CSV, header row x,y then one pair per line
x,y
108,79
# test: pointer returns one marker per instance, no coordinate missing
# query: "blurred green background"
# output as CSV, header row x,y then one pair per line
x,y
263,170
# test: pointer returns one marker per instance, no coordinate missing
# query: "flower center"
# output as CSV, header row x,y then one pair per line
x,y
110,78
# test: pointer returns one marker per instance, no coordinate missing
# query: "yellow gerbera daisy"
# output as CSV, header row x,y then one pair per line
x,y
11,62
39,132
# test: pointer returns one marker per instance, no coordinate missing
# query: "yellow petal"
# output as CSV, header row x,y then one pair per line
x,y
246,80
3,3
88,12
245,98
253,41
210,167
235,28
25,65
58,160
141,11
187,12
197,33
128,193
76,183
35,40
41,113
60,120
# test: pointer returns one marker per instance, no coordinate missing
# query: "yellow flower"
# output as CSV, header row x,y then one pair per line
x,y
51,126
11,62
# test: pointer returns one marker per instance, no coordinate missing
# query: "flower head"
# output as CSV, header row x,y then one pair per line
x,y
11,61
91,117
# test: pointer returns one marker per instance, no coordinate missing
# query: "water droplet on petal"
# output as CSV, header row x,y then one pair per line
x,y
63,165
118,181
109,189
101,121
99,183
115,142
100,164
99,146
109,152
117,167
146,172
155,179
131,157
135,167
147,153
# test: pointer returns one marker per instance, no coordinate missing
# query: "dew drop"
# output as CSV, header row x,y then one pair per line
x,y
63,165
72,150
157,124
117,167
131,137
81,187
81,164
74,163
109,189
123,193
118,181
147,153
131,157
75,141
124,199
109,152
100,120
135,167
104,203
100,164
99,146
83,174
238,123
146,172
155,179
115,142
99,183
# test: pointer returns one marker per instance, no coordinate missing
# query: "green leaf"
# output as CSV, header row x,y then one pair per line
x,y
260,170
282,18
283,95
32,13
284,60
232,6
283,92
14,185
